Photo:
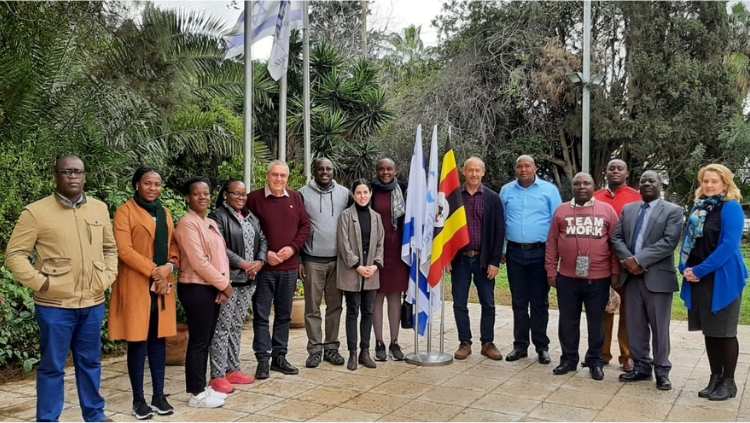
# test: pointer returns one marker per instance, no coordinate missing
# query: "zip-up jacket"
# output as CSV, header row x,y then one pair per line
x,y
75,248
324,207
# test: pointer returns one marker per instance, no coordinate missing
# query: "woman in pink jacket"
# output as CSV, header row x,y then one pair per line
x,y
203,285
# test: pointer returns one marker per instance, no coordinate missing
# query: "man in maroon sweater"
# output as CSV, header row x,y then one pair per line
x,y
579,243
285,223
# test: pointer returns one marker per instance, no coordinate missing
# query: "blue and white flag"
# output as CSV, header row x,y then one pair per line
x,y
279,60
265,19
412,244
429,218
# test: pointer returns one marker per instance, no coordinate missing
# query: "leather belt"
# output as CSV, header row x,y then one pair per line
x,y
527,246
470,253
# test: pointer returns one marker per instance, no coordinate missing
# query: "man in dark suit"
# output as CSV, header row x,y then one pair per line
x,y
645,241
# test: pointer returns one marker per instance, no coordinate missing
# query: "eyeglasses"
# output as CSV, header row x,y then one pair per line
x,y
238,194
70,172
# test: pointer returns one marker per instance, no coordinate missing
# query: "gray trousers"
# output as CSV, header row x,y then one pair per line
x,y
320,282
225,346
648,316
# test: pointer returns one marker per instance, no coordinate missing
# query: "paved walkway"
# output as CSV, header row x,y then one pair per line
x,y
476,389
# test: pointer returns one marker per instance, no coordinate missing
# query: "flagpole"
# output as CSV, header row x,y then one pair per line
x,y
416,314
442,314
282,118
306,90
248,110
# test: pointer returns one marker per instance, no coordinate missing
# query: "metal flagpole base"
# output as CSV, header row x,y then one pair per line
x,y
429,358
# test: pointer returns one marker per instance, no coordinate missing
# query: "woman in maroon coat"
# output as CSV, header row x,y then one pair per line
x,y
389,200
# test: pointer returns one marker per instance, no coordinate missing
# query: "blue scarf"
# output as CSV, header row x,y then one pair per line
x,y
695,224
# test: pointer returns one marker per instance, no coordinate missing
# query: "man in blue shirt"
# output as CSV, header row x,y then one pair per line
x,y
529,204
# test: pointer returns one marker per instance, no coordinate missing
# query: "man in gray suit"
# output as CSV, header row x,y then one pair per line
x,y
645,241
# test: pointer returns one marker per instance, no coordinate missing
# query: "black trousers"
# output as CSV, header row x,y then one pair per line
x,y
356,301
202,312
572,295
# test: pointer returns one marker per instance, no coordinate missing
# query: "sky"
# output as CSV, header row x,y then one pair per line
x,y
391,14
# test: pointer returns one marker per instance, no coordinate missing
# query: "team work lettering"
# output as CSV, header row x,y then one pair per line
x,y
585,225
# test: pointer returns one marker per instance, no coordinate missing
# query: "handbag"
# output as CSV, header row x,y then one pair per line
x,y
407,314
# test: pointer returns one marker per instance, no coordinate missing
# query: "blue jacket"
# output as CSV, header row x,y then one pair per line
x,y
726,261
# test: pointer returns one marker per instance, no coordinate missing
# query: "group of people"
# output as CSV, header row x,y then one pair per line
x,y
345,244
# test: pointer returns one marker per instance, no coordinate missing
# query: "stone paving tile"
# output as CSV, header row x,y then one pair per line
x,y
473,383
428,411
575,398
640,390
249,402
21,411
689,399
375,403
498,372
473,415
640,409
559,412
295,410
425,376
534,391
698,414
317,376
401,389
326,395
395,418
286,386
583,383
259,418
507,404
356,382
346,415
451,396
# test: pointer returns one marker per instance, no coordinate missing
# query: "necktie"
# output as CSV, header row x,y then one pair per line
x,y
638,226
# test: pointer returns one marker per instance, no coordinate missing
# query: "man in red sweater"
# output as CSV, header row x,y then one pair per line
x,y
285,223
617,194
579,243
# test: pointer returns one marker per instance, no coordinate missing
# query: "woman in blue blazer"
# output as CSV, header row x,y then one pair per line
x,y
714,274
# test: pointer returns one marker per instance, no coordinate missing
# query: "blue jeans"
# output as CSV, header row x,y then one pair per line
x,y
63,330
528,289
462,269
572,295
155,349
273,289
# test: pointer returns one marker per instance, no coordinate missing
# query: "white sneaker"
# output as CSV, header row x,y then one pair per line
x,y
205,400
216,394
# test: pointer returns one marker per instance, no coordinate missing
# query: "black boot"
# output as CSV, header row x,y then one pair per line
x,y
380,351
712,385
352,363
365,360
727,389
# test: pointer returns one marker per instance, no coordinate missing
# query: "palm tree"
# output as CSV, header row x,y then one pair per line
x,y
738,55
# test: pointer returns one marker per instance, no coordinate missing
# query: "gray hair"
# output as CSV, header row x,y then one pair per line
x,y
525,157
277,162
474,159
385,160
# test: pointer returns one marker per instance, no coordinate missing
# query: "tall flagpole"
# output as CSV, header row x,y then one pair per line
x,y
248,124
282,118
306,89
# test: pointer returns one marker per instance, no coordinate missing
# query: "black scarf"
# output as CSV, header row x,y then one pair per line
x,y
161,237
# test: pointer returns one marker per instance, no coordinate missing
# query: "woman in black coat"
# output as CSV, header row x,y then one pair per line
x,y
247,250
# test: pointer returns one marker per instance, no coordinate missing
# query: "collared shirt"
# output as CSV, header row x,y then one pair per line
x,y
474,206
268,192
646,215
528,211
618,199
586,204
67,201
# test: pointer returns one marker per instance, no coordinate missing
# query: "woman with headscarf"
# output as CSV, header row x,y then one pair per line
x,y
142,307
715,274
389,200
246,250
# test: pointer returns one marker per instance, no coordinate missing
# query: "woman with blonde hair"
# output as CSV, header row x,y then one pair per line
x,y
715,273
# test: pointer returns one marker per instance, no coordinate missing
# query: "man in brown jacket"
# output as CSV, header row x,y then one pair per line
x,y
76,261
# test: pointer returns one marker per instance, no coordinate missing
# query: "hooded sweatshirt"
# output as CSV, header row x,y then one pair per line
x,y
324,206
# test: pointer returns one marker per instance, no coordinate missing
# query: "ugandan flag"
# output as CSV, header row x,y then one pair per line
x,y
451,228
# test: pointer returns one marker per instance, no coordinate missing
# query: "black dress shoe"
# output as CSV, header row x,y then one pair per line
x,y
262,372
663,383
596,373
634,376
515,355
544,358
279,364
564,368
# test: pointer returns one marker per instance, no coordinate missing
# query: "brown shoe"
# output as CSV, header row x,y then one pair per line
x,y
628,365
464,350
490,351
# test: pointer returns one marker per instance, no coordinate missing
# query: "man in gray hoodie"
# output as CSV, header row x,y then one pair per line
x,y
324,200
